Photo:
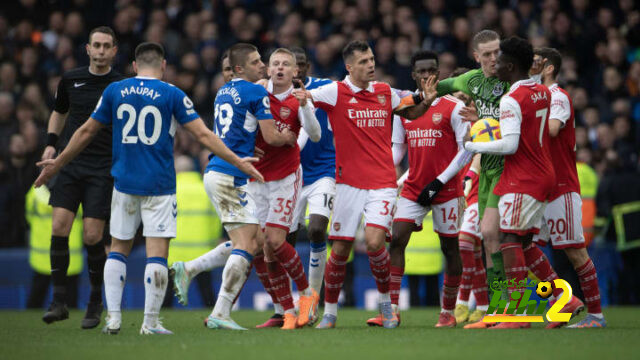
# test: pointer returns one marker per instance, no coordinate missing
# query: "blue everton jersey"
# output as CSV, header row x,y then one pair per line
x,y
318,159
238,107
144,112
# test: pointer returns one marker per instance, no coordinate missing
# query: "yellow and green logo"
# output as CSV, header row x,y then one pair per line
x,y
520,302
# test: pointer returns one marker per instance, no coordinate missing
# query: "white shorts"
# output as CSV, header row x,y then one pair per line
x,y
446,216
378,206
520,214
319,196
562,223
471,222
276,200
157,214
230,196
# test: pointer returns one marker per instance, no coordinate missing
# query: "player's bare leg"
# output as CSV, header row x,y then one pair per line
x,y
452,274
156,278
115,277
62,219
288,262
490,228
333,279
401,233
243,238
92,236
586,271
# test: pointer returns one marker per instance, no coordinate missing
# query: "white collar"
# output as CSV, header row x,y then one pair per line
x,y
553,86
355,89
145,78
237,79
282,95
525,82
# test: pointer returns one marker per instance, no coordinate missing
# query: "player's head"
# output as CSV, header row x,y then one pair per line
x,y
486,46
150,58
515,60
302,60
282,67
359,61
424,63
102,47
245,62
227,72
553,62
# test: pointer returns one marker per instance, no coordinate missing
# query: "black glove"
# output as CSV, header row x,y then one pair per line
x,y
429,192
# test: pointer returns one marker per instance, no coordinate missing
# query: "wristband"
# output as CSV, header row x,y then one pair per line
x,y
52,139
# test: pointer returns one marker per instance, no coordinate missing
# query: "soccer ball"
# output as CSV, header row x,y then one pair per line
x,y
544,289
485,130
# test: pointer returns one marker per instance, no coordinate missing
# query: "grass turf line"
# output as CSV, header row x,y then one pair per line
x,y
24,336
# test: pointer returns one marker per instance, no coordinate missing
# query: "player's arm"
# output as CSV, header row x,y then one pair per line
x,y
324,97
307,115
451,85
398,140
303,137
56,120
273,137
80,139
212,142
412,107
510,121
471,175
559,113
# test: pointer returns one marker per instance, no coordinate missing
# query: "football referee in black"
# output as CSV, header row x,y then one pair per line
x,y
86,180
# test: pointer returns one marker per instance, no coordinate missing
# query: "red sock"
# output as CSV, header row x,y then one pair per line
x,y
334,277
288,257
468,269
450,291
396,283
514,262
539,265
280,284
480,281
263,275
380,262
589,284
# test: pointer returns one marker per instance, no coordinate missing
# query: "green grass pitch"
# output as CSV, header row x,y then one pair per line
x,y
23,335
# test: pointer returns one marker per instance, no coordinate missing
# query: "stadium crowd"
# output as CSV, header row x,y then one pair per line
x,y
41,40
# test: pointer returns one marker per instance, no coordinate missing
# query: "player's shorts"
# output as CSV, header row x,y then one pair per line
x,y
377,205
77,185
157,213
319,196
471,222
446,216
276,200
231,198
487,182
520,214
562,223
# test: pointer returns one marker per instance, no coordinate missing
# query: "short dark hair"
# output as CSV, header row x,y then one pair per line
x,y
352,47
519,51
423,55
149,53
225,55
483,37
298,51
238,54
104,30
552,56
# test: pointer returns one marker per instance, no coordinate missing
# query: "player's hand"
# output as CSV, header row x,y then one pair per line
x,y
49,153
292,139
469,113
49,169
537,66
245,165
466,185
300,92
429,193
259,153
429,88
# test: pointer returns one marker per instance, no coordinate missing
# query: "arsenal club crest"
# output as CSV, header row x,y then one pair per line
x,y
436,118
285,112
336,226
381,99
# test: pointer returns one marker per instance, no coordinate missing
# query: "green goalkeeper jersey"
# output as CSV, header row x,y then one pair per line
x,y
486,93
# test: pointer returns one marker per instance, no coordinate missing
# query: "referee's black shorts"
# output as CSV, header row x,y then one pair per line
x,y
87,185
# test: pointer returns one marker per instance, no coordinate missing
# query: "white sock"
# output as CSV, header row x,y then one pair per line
x,y
482,307
460,302
331,309
115,276
317,263
156,276
446,311
278,309
213,259
384,297
233,277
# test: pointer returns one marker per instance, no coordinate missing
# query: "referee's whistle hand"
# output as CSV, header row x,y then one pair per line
x,y
49,153
49,169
